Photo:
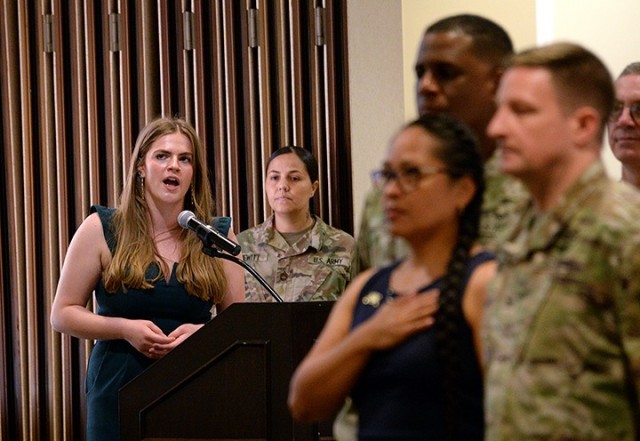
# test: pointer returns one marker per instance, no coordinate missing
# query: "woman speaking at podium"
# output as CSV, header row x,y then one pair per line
x,y
154,286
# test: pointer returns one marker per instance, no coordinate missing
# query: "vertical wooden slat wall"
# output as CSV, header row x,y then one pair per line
x,y
79,79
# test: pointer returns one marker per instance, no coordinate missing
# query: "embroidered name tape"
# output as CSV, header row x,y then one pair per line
x,y
331,261
255,257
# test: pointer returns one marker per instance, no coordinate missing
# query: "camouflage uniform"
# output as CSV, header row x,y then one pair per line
x,y
376,246
503,200
562,309
317,267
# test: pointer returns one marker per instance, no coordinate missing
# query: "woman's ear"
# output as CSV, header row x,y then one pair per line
x,y
314,187
464,191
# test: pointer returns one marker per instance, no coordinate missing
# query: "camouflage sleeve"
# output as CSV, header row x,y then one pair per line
x,y
375,245
355,263
362,239
505,198
628,305
250,253
338,258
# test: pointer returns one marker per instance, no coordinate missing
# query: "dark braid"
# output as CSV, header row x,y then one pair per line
x,y
460,152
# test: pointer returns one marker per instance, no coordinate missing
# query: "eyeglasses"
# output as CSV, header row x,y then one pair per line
x,y
407,178
618,108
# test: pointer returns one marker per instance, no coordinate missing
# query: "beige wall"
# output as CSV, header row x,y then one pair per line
x,y
609,28
375,86
384,37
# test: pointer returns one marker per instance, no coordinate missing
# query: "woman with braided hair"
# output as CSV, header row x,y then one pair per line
x,y
403,340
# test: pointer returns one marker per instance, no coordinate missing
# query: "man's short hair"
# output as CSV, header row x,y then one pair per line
x,y
490,41
579,76
631,69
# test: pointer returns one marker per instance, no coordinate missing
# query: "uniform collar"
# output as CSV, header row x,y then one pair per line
x,y
314,238
538,231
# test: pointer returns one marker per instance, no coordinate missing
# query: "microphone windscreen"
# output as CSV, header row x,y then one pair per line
x,y
183,218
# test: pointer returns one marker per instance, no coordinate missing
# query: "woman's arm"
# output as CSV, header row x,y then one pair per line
x,y
327,374
86,257
474,299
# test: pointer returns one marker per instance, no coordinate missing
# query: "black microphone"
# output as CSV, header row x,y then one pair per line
x,y
209,235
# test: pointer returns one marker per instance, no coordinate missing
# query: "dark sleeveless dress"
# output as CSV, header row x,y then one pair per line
x,y
398,395
113,363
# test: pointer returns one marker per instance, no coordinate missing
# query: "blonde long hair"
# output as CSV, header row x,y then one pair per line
x,y
202,275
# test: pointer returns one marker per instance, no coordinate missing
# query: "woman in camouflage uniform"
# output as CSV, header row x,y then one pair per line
x,y
297,253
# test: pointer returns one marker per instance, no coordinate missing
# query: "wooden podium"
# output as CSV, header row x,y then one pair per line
x,y
228,381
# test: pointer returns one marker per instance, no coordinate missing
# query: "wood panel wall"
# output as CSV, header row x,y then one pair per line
x,y
78,79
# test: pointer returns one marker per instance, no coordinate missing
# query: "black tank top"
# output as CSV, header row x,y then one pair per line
x,y
398,395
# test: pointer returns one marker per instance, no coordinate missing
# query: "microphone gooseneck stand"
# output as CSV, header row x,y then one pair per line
x,y
214,252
